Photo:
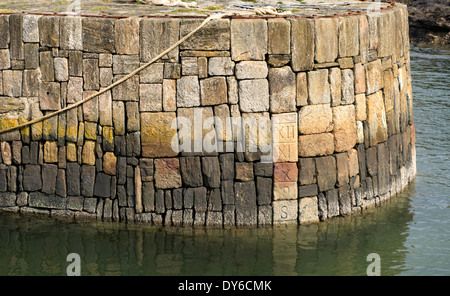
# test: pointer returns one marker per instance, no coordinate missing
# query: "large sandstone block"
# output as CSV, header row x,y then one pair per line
x,y
213,91
315,119
167,173
49,96
284,137
98,35
214,36
248,39
285,211
285,177
318,87
282,88
71,31
315,144
157,132
156,35
245,202
279,36
376,118
150,97
326,172
374,77
49,31
30,31
326,39
127,36
344,130
4,34
308,210
188,92
348,36
302,44
251,70
254,95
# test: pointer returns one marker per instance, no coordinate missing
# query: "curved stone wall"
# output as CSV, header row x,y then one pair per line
x,y
252,121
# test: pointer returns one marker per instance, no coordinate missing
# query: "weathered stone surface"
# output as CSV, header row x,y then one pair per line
x,y
167,173
326,39
7,199
124,64
302,44
254,95
200,202
40,200
31,55
169,95
152,74
348,36
326,172
223,123
196,130
191,171
87,180
315,119
278,60
188,92
98,35
244,171
246,208
360,107
30,32
282,86
49,96
279,36
315,145
118,117
172,71
285,131
251,70
318,87
49,31
285,211
5,59
88,156
213,91
348,87
360,82
133,144
344,127
308,210
32,180
91,75
165,32
374,78
376,118
71,33
285,181
220,66
157,134
248,39
306,171
214,36
74,89
75,63
127,36
133,120
4,34
302,89
15,33
12,83
109,163
126,91
342,169
102,186
335,86
264,190
61,187
51,152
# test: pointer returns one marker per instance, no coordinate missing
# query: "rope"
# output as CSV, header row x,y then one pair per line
x,y
128,76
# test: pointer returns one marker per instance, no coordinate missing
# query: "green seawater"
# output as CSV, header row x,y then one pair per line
x,y
410,233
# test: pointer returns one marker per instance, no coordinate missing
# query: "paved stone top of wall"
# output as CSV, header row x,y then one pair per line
x,y
291,119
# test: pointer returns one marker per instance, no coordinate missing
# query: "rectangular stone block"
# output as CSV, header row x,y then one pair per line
x,y
169,95
151,41
91,75
254,95
98,35
344,127
282,88
374,77
326,172
246,208
167,173
49,31
264,190
220,66
127,36
302,44
279,36
16,36
157,134
126,91
326,39
71,33
285,211
285,143
75,63
12,83
315,145
376,119
318,87
285,177
213,91
102,186
248,39
40,200
348,36
191,171
4,34
214,36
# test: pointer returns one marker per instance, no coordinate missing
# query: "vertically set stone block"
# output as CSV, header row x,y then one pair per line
x,y
285,143
326,39
285,181
302,34
151,30
248,40
98,35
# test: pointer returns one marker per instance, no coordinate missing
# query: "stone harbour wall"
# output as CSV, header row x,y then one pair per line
x,y
331,98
